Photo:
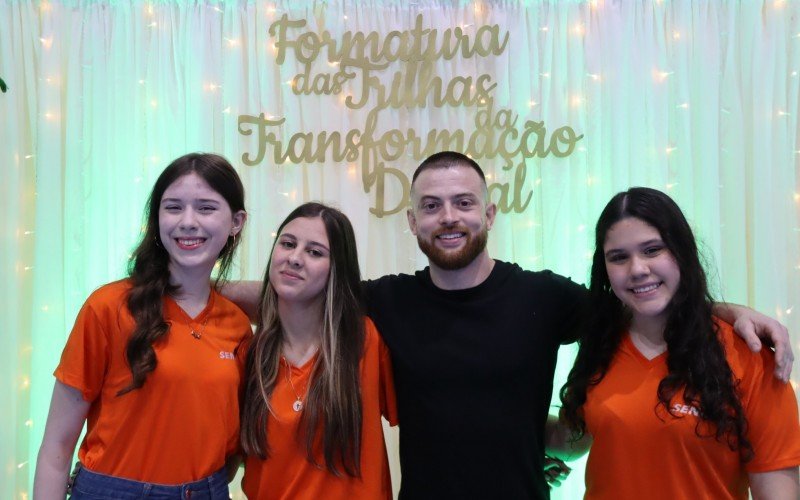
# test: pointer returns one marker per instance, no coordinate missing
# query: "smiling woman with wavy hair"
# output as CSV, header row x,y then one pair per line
x,y
670,398
150,363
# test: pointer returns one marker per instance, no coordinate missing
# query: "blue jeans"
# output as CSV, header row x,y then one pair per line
x,y
90,485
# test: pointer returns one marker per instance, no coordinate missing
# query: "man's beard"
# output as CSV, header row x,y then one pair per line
x,y
452,260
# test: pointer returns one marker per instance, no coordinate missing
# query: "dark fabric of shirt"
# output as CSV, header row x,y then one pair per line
x,y
474,377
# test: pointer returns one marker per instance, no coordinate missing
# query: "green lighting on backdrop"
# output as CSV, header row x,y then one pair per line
x,y
698,99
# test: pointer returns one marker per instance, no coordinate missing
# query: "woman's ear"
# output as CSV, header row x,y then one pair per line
x,y
239,219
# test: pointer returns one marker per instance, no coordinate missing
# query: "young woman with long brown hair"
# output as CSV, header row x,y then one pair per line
x,y
318,374
150,364
676,404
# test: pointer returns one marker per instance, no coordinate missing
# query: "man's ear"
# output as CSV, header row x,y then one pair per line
x,y
491,212
412,221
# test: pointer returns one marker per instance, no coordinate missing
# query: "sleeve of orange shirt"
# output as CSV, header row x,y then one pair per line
x,y
85,357
388,400
770,408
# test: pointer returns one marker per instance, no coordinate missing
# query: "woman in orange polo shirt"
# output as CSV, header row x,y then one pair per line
x,y
675,405
318,374
150,363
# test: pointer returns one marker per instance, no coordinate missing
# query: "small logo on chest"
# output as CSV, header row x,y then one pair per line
x,y
226,355
685,409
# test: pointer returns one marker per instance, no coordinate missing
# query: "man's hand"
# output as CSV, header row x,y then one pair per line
x,y
555,471
758,329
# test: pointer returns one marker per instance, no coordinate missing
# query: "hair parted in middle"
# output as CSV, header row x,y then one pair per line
x,y
696,361
333,405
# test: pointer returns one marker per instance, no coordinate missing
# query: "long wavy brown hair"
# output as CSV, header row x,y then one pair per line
x,y
696,363
148,267
333,404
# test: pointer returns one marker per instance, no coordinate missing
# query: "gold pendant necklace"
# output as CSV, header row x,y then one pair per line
x,y
298,401
197,335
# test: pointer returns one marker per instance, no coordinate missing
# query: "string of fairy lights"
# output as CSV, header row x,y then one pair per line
x,y
52,113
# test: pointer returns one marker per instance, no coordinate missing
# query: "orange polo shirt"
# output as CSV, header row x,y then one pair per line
x,y
287,474
184,422
636,454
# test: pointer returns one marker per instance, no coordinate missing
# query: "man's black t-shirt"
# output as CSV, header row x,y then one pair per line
x,y
474,377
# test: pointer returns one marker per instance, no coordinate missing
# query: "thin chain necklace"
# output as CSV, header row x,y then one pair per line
x,y
198,334
298,400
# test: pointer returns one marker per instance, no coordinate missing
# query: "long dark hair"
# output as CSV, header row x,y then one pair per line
x,y
333,404
696,360
148,267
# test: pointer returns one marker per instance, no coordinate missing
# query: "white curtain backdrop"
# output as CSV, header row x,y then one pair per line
x,y
699,99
